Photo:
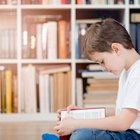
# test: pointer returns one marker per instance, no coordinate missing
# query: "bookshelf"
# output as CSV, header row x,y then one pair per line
x,y
16,13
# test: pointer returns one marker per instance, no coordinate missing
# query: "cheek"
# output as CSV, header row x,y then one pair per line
x,y
114,63
117,65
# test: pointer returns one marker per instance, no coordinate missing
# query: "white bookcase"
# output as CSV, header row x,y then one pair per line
x,y
76,12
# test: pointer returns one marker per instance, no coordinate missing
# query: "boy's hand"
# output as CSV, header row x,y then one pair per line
x,y
66,126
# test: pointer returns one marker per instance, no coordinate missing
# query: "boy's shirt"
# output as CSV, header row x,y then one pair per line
x,y
129,92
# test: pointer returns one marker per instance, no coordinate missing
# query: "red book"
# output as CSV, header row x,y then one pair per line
x,y
82,113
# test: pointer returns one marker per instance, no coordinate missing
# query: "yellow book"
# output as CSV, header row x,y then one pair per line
x,y
8,77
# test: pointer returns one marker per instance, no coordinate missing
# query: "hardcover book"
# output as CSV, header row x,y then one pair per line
x,y
82,113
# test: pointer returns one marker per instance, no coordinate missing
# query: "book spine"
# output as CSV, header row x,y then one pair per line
x,y
8,78
52,40
62,50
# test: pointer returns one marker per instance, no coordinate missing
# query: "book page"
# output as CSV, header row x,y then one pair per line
x,y
84,114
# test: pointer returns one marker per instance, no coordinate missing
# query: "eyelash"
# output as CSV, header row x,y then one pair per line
x,y
102,62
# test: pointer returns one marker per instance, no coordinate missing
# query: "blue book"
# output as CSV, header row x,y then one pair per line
x,y
133,33
138,40
48,136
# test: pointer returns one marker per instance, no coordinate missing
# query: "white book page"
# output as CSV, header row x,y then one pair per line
x,y
84,114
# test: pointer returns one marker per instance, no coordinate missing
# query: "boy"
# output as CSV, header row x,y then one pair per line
x,y
109,44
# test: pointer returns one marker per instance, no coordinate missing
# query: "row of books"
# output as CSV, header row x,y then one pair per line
x,y
8,91
100,88
8,2
44,2
100,2
8,39
47,89
45,37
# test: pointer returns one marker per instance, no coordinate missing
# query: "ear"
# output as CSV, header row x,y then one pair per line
x,y
116,47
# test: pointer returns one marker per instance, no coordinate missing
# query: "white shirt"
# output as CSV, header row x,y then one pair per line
x,y
129,92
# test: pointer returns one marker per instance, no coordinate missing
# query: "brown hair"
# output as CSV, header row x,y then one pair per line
x,y
101,35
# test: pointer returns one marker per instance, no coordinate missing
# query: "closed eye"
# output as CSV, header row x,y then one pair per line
x,y
102,62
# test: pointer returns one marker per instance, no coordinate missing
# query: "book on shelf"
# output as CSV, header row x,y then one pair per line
x,y
131,2
102,74
105,86
79,92
50,69
28,89
62,44
138,41
8,89
52,40
94,67
15,94
80,32
88,21
82,113
102,81
135,32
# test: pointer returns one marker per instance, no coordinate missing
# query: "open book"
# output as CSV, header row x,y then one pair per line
x,y
86,113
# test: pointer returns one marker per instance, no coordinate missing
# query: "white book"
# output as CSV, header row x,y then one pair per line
x,y
29,89
44,39
41,93
56,70
79,92
88,21
86,113
39,53
94,67
52,40
99,75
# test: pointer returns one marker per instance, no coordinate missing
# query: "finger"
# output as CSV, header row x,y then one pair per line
x,y
59,111
60,132
58,117
57,128
70,107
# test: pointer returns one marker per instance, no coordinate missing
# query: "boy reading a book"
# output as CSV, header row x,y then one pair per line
x,y
109,44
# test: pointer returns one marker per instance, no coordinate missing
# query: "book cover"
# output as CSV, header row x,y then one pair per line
x,y
82,113
62,39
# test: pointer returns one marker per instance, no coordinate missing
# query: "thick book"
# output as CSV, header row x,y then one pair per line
x,y
86,113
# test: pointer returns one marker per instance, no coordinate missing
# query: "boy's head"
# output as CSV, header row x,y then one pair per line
x,y
101,35
109,44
